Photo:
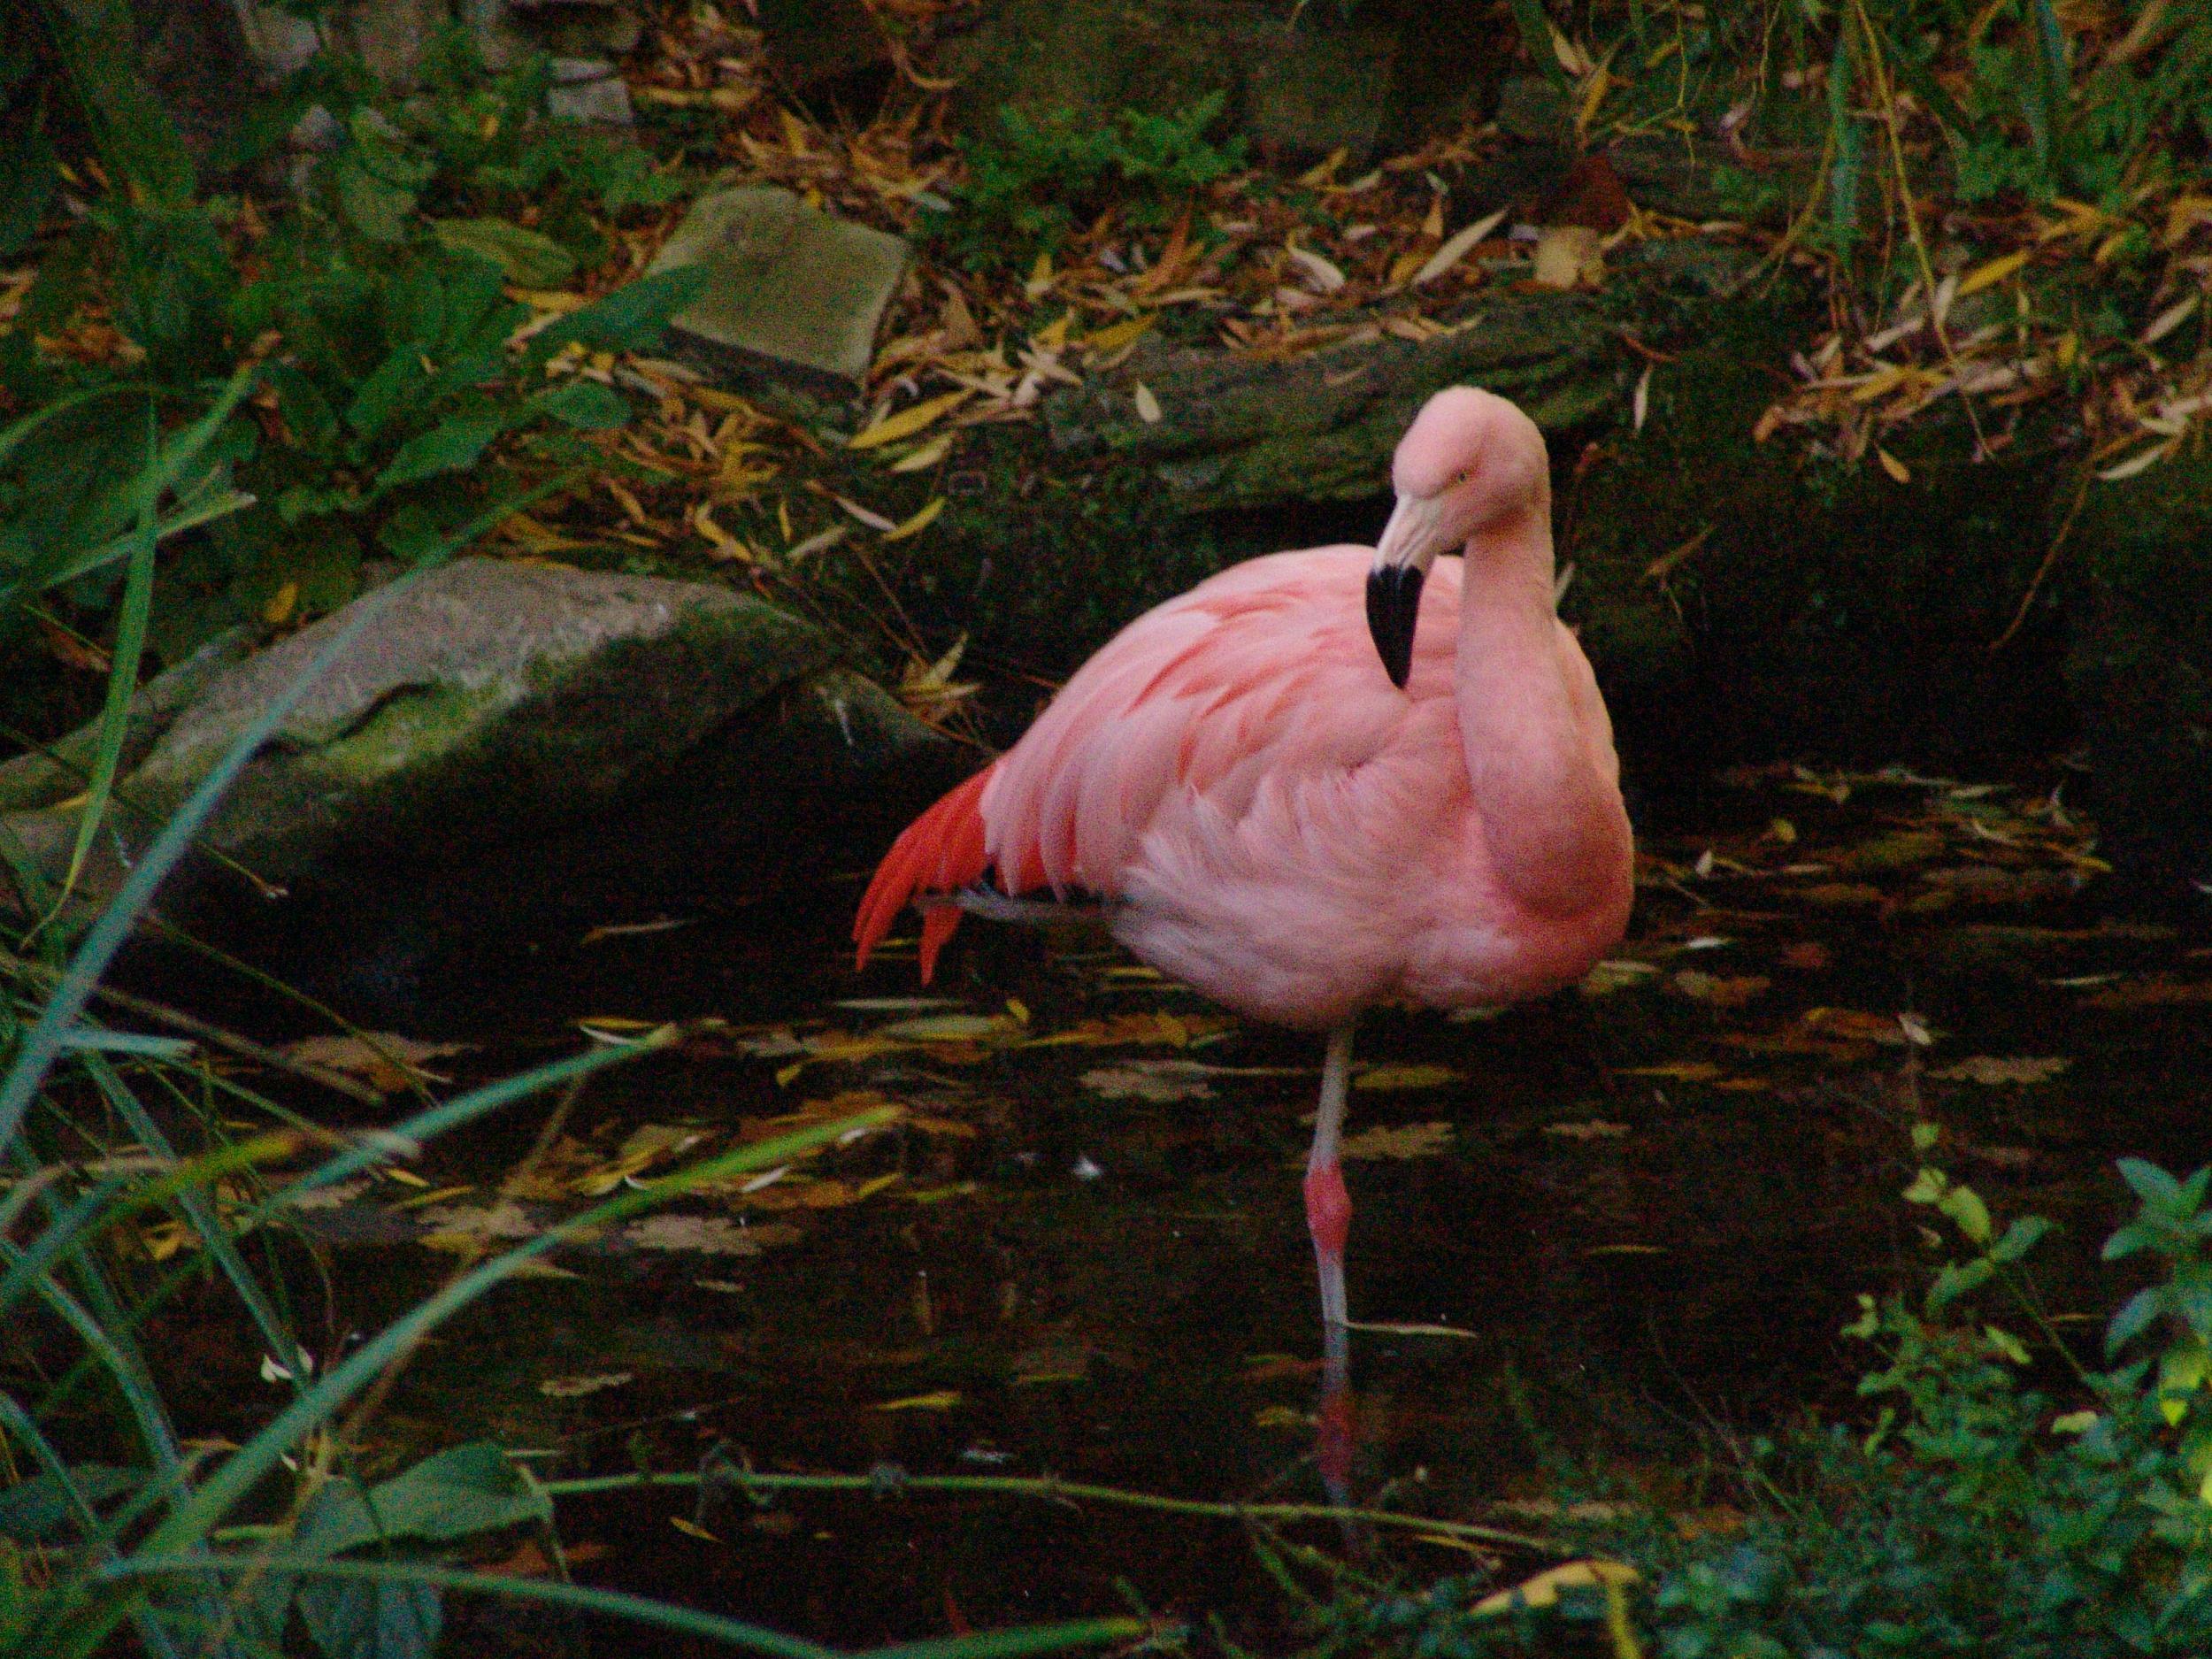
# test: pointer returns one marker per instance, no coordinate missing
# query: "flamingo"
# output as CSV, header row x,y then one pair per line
x,y
1266,816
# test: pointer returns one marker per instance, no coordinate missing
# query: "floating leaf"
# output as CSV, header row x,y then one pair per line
x,y
941,1400
1160,1081
1399,1140
1405,1077
1987,1069
577,1387
1717,990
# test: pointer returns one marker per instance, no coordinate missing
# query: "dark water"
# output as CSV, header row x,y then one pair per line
x,y
1647,1210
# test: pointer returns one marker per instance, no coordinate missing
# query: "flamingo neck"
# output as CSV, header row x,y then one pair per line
x,y
1551,816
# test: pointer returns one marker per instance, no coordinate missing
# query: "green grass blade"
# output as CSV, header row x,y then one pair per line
x,y
207,1505
1535,29
1018,1644
97,43
214,1236
123,662
610,1603
19,1426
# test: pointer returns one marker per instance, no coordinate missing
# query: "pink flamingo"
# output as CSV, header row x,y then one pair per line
x,y
1269,819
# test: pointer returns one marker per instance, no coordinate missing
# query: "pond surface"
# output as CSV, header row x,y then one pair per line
x,y
1641,1212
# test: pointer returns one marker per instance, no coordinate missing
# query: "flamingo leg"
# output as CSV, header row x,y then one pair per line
x,y
1328,1206
1329,1218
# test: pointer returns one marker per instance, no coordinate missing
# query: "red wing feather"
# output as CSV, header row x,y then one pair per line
x,y
939,852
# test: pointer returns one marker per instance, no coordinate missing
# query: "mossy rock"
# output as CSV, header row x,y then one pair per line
x,y
492,706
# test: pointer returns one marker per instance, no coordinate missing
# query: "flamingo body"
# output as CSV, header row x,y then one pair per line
x,y
1274,821
1305,799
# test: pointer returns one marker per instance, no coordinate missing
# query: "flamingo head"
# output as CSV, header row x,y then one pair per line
x,y
1471,463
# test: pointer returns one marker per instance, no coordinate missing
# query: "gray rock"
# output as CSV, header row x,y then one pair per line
x,y
498,706
1241,431
1301,80
587,91
795,292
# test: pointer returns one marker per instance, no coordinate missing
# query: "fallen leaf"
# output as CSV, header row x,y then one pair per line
x,y
385,1062
692,1529
1399,1140
1988,1069
1160,1081
1619,975
1717,990
1405,1077
1596,1129
950,1028
1676,1071
577,1387
907,422
706,1235
1147,405
1898,471
916,522
1453,252
942,1400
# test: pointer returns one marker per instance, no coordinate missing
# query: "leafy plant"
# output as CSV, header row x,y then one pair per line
x,y
1028,189
1982,1512
387,360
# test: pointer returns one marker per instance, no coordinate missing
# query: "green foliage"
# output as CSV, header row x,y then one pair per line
x,y
387,373
1979,1514
1025,192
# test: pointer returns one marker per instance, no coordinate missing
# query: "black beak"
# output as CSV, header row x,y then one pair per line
x,y
1394,605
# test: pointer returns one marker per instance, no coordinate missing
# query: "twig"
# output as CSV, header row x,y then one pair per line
x,y
1887,93
1051,1490
2050,560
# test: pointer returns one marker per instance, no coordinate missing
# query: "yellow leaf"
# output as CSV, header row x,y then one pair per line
x,y
916,522
908,421
1543,1589
1116,335
692,1529
1432,225
942,1400
1401,1141
1401,1077
949,1028
1147,405
281,603
1988,276
1040,276
922,459
1053,336
1895,468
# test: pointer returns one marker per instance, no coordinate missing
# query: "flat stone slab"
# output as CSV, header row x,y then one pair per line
x,y
793,290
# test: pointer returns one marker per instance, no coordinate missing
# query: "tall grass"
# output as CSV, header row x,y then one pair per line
x,y
118,1524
